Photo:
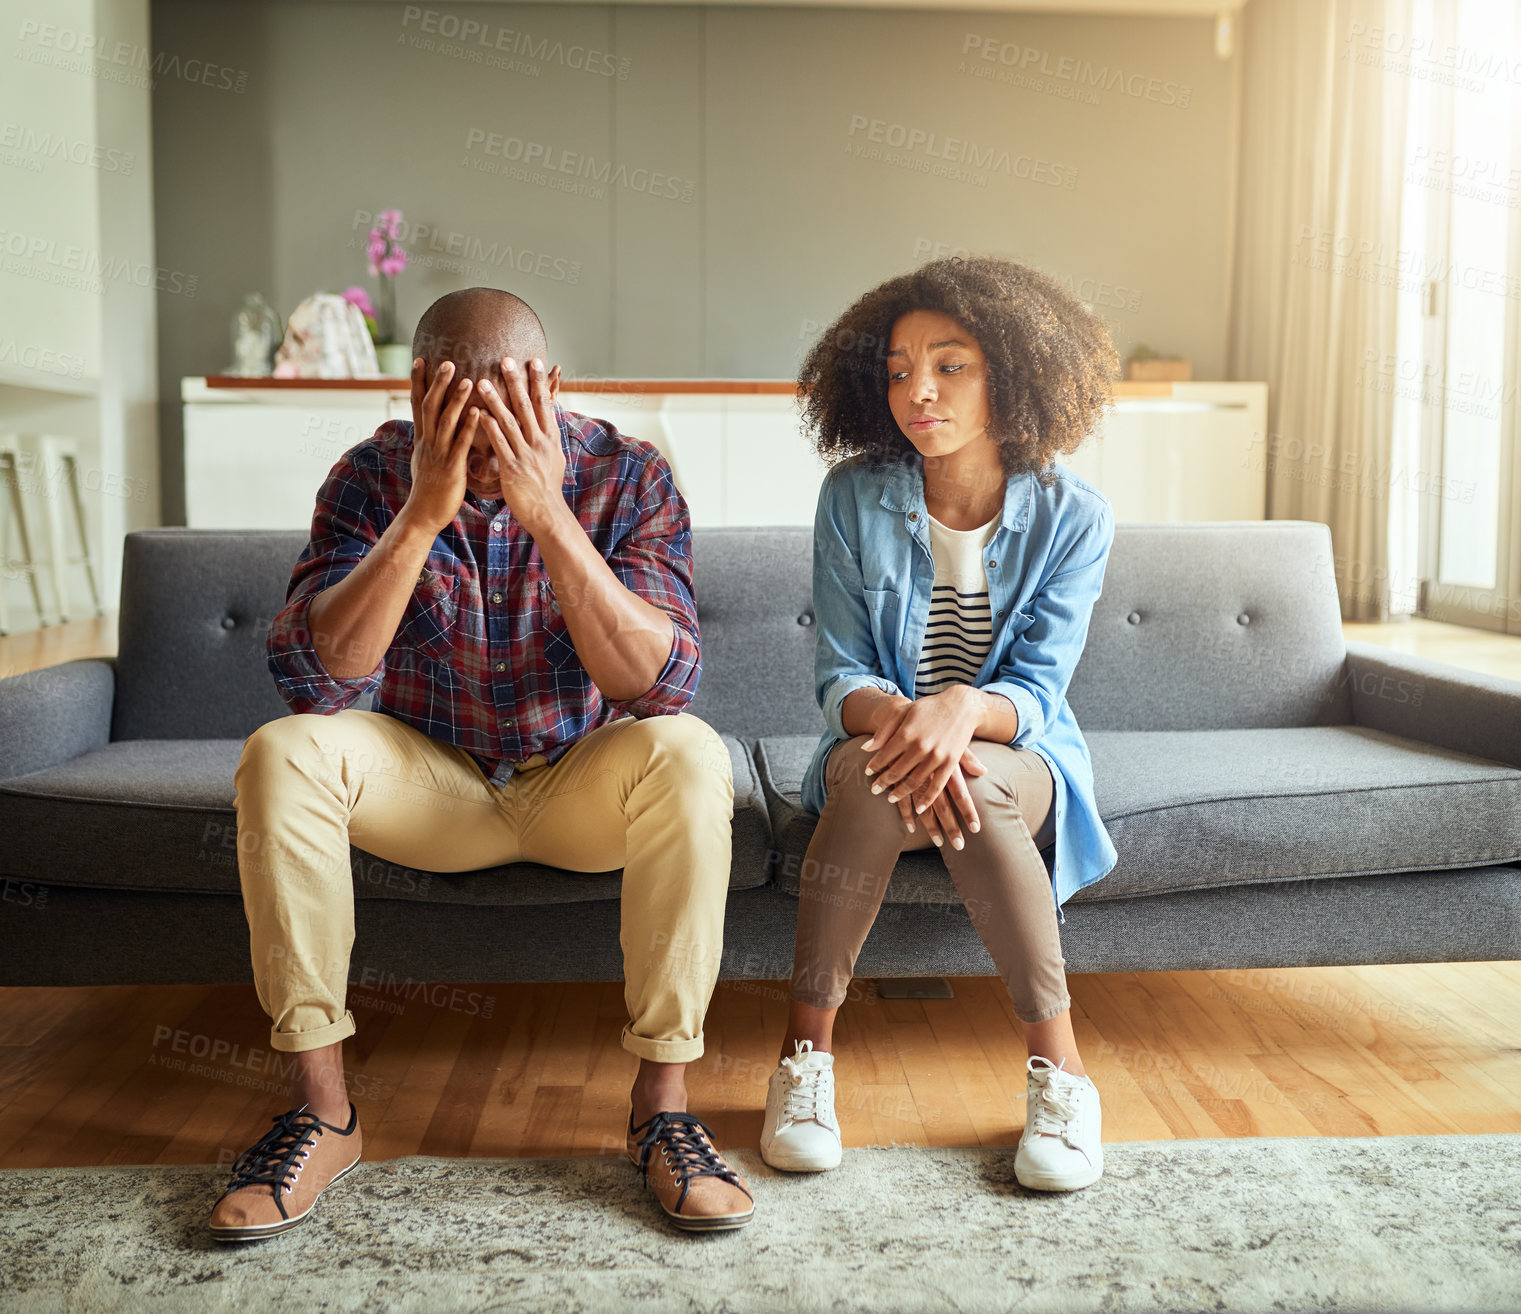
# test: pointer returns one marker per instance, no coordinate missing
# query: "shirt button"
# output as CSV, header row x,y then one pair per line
x,y
913,515
496,526
501,666
992,565
496,597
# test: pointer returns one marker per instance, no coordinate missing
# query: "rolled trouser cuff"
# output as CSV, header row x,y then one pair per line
x,y
298,1042
1044,1014
663,1051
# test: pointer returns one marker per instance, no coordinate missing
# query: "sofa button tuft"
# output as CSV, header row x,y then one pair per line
x,y
1243,619
1134,618
805,619
228,623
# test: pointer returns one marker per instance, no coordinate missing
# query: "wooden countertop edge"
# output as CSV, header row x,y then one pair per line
x,y
742,387
663,387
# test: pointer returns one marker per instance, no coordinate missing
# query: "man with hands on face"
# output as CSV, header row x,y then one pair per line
x,y
513,583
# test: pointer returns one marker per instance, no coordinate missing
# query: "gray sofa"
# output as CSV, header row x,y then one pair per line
x,y
1277,796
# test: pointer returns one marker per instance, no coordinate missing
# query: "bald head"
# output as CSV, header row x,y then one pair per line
x,y
475,329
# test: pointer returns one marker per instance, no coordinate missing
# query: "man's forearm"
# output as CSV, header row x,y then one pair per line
x,y
623,641
355,621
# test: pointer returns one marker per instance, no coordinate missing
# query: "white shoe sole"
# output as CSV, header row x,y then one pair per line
x,y
1060,1181
799,1163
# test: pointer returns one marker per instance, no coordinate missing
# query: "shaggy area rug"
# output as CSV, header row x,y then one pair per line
x,y
1408,1223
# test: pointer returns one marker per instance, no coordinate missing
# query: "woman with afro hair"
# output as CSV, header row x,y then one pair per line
x,y
955,570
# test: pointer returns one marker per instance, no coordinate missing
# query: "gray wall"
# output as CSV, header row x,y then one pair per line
x,y
782,213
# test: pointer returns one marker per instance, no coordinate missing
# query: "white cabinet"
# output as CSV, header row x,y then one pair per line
x,y
1194,455
256,455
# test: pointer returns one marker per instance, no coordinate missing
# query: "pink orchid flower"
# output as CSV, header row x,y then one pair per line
x,y
359,297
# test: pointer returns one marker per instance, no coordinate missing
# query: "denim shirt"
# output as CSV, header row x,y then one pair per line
x,y
872,575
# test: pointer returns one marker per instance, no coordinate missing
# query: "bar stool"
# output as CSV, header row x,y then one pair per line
x,y
10,469
60,456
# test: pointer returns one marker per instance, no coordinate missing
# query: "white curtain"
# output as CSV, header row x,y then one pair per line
x,y
1317,282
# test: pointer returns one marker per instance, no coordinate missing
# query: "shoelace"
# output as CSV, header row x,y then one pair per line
x,y
1054,1111
686,1143
1056,1108
276,1159
805,1092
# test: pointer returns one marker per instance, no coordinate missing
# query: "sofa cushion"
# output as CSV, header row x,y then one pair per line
x,y
157,814
754,591
207,596
1197,809
1215,625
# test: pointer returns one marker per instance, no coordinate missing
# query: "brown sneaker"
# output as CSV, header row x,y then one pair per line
x,y
697,1189
276,1181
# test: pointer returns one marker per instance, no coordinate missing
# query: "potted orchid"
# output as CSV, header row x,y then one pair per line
x,y
387,259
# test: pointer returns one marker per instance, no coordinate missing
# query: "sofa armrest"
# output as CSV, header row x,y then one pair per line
x,y
51,715
1435,702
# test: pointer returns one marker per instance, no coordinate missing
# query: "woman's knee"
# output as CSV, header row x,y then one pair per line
x,y
1011,787
845,772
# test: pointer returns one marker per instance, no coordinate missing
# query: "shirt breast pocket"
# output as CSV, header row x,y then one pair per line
x,y
431,614
883,615
559,649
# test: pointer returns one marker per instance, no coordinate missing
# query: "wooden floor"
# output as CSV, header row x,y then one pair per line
x,y
153,1074
184,1074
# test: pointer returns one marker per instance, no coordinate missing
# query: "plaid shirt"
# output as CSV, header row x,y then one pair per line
x,y
483,659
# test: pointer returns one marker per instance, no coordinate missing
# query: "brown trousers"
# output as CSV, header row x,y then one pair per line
x,y
1000,876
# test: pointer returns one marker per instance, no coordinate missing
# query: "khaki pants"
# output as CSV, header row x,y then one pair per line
x,y
654,796
1000,876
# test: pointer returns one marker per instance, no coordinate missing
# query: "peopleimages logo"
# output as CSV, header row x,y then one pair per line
x,y
432,247
67,48
77,267
1093,291
957,158
1008,61
563,170
42,359
1407,268
506,48
43,146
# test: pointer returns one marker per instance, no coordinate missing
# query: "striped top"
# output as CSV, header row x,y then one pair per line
x,y
959,631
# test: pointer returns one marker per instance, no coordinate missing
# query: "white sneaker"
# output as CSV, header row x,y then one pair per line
x,y
800,1134
1061,1148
